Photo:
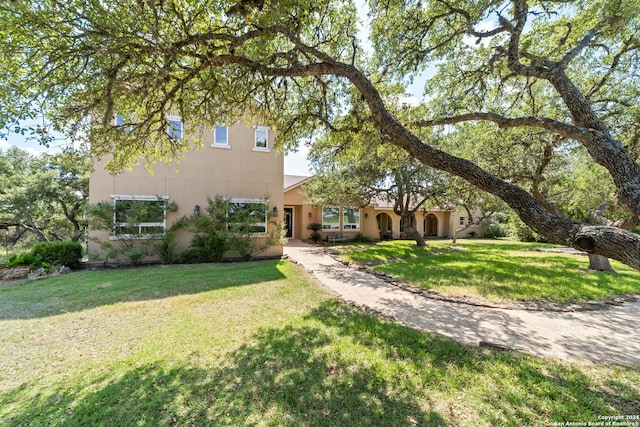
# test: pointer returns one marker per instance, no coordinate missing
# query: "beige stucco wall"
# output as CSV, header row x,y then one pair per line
x,y
239,171
455,224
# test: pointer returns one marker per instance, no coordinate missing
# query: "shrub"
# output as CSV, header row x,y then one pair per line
x,y
194,256
166,248
58,253
361,238
214,244
315,227
496,230
26,259
135,257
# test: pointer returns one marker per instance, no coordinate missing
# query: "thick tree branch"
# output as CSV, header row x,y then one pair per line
x,y
562,129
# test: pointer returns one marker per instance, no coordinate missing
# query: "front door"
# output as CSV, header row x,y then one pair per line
x,y
288,221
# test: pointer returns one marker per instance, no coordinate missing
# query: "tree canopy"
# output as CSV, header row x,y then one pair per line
x,y
43,198
300,65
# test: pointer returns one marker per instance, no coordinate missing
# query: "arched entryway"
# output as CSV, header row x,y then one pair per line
x,y
385,226
431,225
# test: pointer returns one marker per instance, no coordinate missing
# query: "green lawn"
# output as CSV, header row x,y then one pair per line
x,y
495,270
259,344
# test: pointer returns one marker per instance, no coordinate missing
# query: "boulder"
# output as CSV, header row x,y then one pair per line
x,y
14,273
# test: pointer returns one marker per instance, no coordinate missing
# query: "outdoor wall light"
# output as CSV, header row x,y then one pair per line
x,y
196,210
366,215
275,211
310,215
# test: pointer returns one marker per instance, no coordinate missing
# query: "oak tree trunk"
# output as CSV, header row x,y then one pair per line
x,y
599,263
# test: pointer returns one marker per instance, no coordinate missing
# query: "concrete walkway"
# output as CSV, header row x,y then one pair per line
x,y
610,335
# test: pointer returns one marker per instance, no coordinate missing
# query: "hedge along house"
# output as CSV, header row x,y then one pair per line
x,y
376,220
236,162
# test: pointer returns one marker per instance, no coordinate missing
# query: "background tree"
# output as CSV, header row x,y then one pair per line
x,y
298,65
364,171
43,198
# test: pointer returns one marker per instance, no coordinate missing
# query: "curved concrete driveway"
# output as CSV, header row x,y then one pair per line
x,y
609,335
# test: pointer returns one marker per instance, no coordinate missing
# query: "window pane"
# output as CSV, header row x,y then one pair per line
x,y
351,219
221,135
262,136
139,217
247,217
330,218
175,128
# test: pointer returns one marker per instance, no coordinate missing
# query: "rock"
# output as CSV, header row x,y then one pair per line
x,y
36,273
15,273
64,270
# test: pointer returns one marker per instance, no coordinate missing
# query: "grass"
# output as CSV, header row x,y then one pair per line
x,y
496,270
259,344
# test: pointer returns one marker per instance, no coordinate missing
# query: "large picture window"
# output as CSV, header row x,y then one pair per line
x,y
351,219
248,215
331,218
139,216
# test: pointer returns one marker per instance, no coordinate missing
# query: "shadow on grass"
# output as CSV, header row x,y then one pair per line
x,y
89,289
309,375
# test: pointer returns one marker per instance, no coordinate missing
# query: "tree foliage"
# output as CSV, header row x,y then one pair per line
x,y
43,198
364,171
300,65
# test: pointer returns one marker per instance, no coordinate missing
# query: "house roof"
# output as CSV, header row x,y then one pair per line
x,y
292,181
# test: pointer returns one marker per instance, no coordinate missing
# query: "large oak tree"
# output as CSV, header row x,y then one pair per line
x,y
299,64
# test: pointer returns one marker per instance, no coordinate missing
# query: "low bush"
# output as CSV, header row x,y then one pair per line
x,y
26,259
315,236
194,256
361,238
166,248
68,254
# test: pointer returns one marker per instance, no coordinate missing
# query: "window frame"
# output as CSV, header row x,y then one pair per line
x,y
140,198
263,202
328,226
352,227
171,128
215,137
256,147
119,122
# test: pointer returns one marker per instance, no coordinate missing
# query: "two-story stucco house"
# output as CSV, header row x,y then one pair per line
x,y
236,162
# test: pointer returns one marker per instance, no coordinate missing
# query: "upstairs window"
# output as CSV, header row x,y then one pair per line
x,y
261,139
461,220
120,121
175,128
220,136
